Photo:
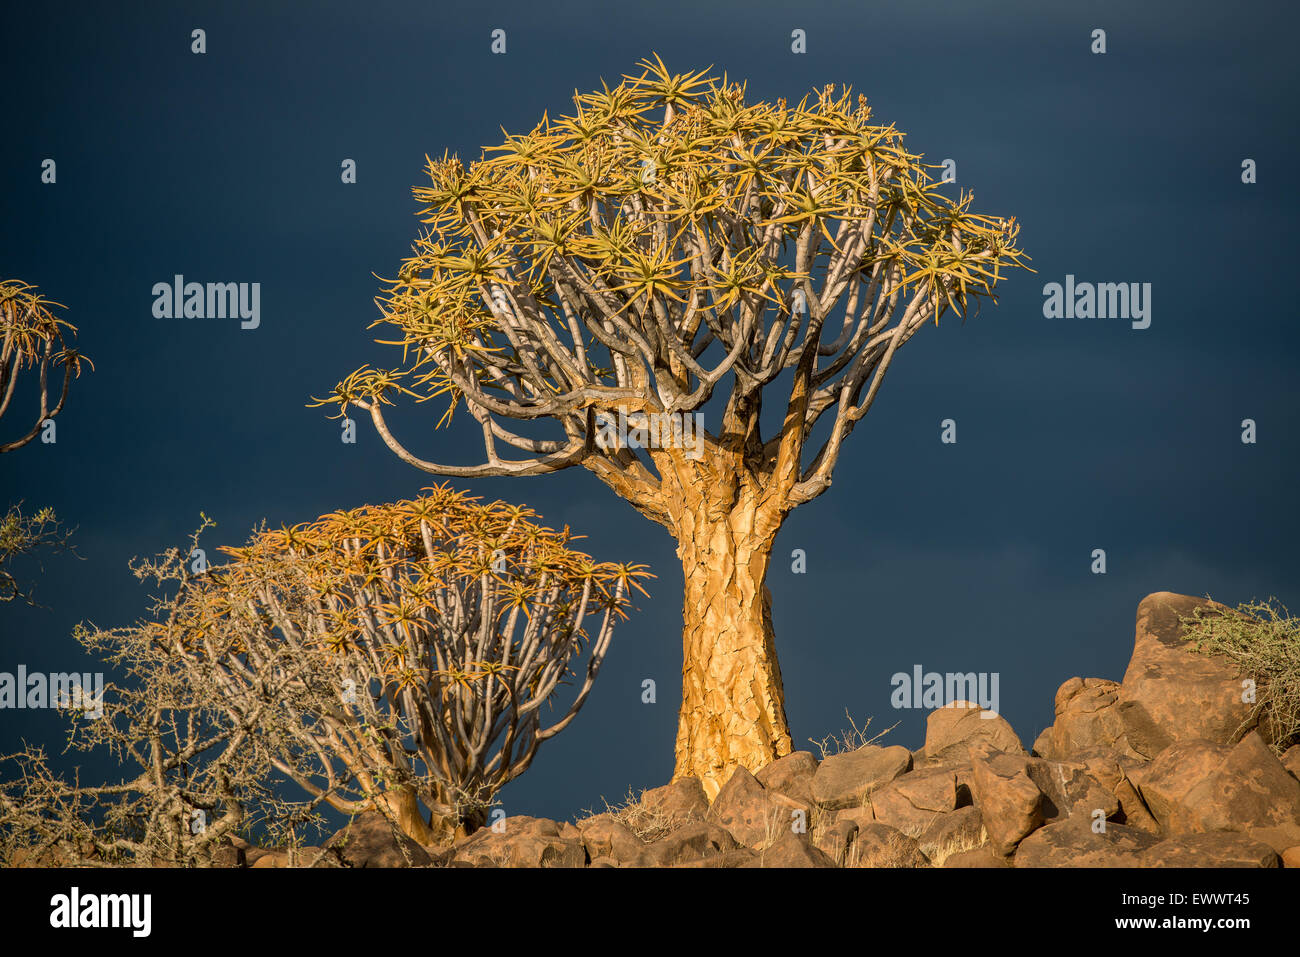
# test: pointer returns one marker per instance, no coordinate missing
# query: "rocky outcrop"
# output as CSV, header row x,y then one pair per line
x,y
1170,691
1159,770
523,842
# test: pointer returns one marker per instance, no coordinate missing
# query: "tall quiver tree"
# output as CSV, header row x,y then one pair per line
x,y
671,249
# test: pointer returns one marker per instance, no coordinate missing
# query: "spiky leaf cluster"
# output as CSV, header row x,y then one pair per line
x,y
666,239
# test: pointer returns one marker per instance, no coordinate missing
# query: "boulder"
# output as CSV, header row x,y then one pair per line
x,y
860,816
296,857
1197,786
1112,770
836,838
370,840
847,780
1086,717
976,857
738,857
523,842
953,833
1172,693
879,845
755,816
1068,789
693,841
1010,803
914,801
1042,746
604,836
1291,857
792,850
1074,843
679,800
1213,849
951,730
791,775
1291,760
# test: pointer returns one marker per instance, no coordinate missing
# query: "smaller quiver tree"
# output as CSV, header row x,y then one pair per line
x,y
33,338
419,649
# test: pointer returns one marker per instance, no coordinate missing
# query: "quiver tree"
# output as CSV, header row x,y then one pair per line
x,y
196,772
33,340
418,649
667,249
404,658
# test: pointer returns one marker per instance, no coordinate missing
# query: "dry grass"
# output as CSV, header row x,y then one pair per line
x,y
849,740
956,845
650,824
1263,641
897,853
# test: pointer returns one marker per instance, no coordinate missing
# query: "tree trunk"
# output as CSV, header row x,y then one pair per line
x,y
733,707
404,807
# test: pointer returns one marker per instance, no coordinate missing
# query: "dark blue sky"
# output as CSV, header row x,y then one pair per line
x,y
1072,434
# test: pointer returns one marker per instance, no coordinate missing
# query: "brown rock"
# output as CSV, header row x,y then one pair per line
x,y
1010,803
522,842
681,800
252,854
1042,747
978,857
1074,843
951,730
836,838
605,837
1291,760
792,850
953,833
1069,789
791,775
693,841
1087,716
1291,857
754,816
860,816
879,845
847,780
738,857
369,840
914,801
1199,786
1112,770
1172,693
1213,849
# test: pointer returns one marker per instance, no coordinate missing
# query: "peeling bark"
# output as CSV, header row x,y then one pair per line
x,y
733,705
